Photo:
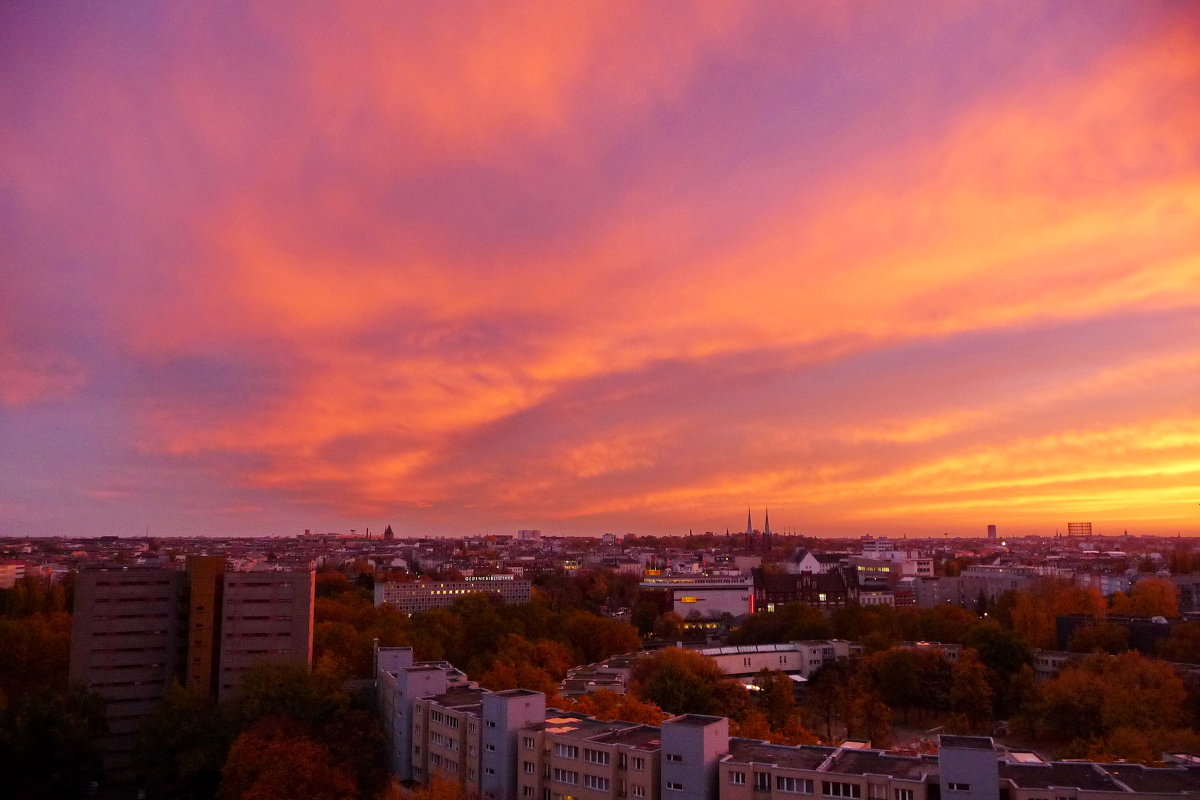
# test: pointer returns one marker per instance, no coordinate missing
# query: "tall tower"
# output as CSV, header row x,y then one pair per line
x,y
767,531
749,531
388,535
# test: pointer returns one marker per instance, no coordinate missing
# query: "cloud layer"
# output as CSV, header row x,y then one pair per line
x,y
598,266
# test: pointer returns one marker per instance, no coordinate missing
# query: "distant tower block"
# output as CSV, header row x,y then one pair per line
x,y
1079,529
991,531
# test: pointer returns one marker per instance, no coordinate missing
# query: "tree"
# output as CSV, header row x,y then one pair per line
x,y
669,626
1103,637
285,689
48,744
971,691
776,698
184,743
684,682
1004,654
828,697
1183,646
1149,597
606,705
275,759
908,679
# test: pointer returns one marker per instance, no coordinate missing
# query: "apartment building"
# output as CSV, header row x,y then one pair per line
x,y
502,745
265,616
446,737
415,596
127,645
136,630
574,756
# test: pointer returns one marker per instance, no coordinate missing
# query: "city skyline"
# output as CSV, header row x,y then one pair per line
x,y
599,267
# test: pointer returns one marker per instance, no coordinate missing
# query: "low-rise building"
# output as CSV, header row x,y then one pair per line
x,y
413,597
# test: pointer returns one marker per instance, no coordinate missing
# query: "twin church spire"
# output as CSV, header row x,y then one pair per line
x,y
766,532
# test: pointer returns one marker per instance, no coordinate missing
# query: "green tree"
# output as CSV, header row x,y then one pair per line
x,y
684,682
48,744
183,745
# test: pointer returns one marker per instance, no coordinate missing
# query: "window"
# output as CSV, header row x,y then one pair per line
x,y
678,787
958,787
639,763
637,791
902,794
794,785
566,776
839,789
596,782
596,756
526,791
745,662
674,757
529,742
528,767
762,781
737,778
566,751
489,771
491,748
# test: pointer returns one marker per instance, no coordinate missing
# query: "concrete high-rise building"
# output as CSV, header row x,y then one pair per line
x,y
1079,529
991,531
127,645
265,616
134,631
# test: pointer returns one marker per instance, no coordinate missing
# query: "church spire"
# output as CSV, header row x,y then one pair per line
x,y
749,524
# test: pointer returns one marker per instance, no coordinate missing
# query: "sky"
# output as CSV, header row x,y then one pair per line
x,y
881,268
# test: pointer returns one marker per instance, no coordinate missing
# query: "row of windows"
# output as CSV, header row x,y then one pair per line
x,y
131,599
596,756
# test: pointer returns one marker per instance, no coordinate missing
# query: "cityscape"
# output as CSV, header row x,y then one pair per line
x,y
600,400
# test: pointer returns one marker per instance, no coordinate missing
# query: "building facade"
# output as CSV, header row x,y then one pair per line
x,y
416,596
135,631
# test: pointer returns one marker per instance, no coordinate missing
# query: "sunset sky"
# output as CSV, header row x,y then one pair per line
x,y
884,268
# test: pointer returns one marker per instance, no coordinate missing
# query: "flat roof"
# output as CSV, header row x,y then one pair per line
x,y
698,720
875,762
967,742
1081,775
752,751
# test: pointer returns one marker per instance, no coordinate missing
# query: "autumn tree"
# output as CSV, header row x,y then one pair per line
x,y
606,705
775,698
1149,597
971,693
275,759
1103,637
1183,645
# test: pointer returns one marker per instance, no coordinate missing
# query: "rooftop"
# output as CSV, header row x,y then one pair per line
x,y
875,762
968,742
1081,775
642,737
697,720
752,751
